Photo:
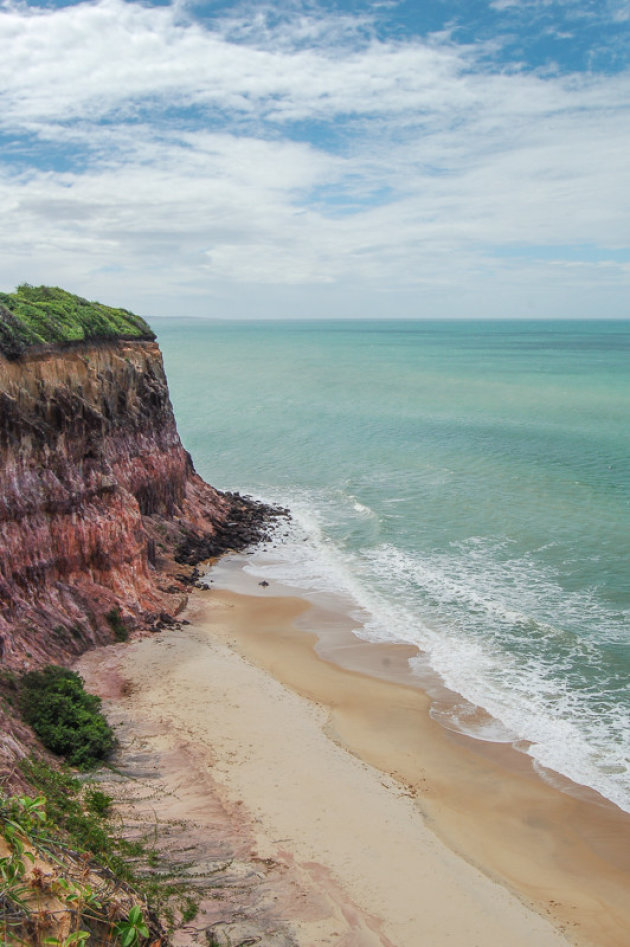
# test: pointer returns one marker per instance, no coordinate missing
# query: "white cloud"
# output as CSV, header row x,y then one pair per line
x,y
437,160
619,10
91,60
507,4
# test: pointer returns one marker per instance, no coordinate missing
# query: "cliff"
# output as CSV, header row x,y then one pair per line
x,y
102,514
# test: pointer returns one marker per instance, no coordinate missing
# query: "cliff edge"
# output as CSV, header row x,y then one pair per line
x,y
102,515
40,317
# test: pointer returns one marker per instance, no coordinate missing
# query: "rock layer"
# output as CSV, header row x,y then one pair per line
x,y
98,501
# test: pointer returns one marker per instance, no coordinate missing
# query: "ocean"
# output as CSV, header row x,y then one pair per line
x,y
466,485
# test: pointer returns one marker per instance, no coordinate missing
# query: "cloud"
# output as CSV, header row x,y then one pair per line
x,y
501,5
157,158
619,10
95,60
596,11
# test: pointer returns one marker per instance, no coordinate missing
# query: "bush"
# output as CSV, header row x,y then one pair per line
x,y
64,716
117,625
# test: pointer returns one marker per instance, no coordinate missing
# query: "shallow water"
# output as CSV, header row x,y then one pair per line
x,y
465,484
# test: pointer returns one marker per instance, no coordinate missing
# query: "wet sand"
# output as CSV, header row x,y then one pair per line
x,y
414,836
568,856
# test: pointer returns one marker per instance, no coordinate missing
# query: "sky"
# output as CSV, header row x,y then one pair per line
x,y
332,159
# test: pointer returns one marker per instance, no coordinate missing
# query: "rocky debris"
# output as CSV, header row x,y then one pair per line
x,y
248,524
158,622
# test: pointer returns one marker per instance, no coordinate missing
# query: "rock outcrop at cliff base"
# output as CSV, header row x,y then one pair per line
x,y
102,515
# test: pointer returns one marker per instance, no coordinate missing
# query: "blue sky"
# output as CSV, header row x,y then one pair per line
x,y
447,158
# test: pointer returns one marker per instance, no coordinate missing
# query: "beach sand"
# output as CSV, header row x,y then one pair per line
x,y
389,829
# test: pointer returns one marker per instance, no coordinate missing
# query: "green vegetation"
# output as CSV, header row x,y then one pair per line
x,y
64,716
97,802
61,879
133,930
68,875
117,625
45,315
69,806
191,909
106,883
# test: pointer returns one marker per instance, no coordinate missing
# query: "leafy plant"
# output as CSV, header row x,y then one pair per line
x,y
22,815
77,937
21,821
12,871
65,809
64,716
75,861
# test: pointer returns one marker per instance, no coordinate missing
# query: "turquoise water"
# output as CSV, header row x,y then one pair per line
x,y
467,484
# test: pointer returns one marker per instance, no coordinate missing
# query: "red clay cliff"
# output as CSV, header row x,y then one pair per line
x,y
101,510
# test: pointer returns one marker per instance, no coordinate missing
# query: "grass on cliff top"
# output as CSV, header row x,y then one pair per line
x,y
46,315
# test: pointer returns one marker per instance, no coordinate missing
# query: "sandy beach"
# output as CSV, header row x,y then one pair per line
x,y
389,830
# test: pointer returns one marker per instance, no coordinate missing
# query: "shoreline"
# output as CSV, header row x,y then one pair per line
x,y
568,857
332,618
457,819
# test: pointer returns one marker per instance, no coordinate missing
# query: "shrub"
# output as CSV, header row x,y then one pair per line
x,y
117,625
64,716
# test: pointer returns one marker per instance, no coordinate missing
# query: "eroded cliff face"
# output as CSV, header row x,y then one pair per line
x,y
98,500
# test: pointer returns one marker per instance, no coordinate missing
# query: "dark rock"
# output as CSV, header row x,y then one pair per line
x,y
151,552
186,579
248,523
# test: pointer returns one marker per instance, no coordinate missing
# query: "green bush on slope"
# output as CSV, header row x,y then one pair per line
x,y
64,716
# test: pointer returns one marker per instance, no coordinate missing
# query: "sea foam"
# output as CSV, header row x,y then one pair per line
x,y
480,620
